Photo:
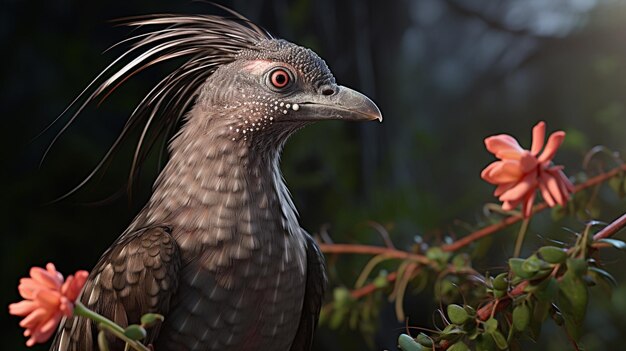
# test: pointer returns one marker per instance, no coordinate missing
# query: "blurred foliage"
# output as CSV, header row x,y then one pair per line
x,y
499,311
445,74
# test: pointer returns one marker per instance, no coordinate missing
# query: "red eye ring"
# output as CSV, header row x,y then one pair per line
x,y
280,78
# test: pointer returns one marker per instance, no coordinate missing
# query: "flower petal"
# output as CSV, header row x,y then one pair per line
x,y
43,332
22,308
53,271
545,193
528,162
500,172
527,206
501,188
504,146
565,182
28,287
489,170
510,205
34,318
519,191
552,184
554,141
539,134
565,186
48,299
45,278
74,284
50,325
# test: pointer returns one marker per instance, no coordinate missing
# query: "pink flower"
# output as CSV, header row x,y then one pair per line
x,y
519,173
47,299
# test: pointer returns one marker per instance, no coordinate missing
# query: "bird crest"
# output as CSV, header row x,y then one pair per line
x,y
202,42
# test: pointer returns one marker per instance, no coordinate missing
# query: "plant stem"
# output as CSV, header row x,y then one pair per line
x,y
82,310
468,239
520,237
376,250
483,232
109,325
612,228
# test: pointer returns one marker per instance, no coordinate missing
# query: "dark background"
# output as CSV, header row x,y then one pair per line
x,y
444,73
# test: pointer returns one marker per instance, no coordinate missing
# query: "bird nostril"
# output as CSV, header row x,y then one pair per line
x,y
328,91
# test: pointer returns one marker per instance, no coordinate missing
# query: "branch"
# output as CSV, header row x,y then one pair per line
x,y
612,228
540,207
481,233
608,231
374,250
486,311
370,288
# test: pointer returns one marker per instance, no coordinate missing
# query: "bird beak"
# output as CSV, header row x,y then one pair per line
x,y
345,104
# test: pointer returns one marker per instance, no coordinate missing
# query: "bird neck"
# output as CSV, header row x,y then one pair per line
x,y
214,177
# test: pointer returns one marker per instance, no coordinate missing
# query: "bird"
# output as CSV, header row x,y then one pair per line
x,y
217,249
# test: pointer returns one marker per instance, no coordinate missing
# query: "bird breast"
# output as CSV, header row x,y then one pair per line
x,y
243,253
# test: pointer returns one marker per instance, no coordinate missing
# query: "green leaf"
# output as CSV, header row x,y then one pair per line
x,y
618,244
103,343
337,317
540,310
491,325
498,294
500,281
577,266
515,264
407,343
450,332
341,297
521,317
471,311
546,290
553,254
573,298
457,314
485,343
354,318
135,332
149,319
424,340
458,346
531,265
437,254
499,339
461,260
381,281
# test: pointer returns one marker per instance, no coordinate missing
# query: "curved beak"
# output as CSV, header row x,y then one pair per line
x,y
345,104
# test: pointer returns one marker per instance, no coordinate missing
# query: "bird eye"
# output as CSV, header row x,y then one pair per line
x,y
280,78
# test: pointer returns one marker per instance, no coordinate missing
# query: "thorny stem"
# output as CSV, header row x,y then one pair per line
x,y
486,231
466,240
485,311
520,237
497,305
608,231
370,288
612,228
376,250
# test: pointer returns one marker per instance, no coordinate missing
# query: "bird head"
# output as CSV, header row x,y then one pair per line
x,y
280,83
233,74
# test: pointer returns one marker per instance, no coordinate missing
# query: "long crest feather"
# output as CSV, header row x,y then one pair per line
x,y
206,41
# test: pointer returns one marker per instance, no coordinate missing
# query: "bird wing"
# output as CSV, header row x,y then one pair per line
x,y
137,275
315,287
